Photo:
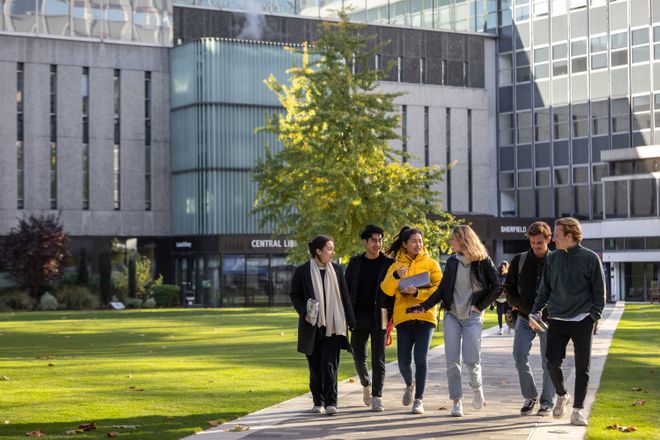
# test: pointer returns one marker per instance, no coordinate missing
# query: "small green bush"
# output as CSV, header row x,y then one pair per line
x,y
16,300
77,298
149,303
48,302
133,303
167,295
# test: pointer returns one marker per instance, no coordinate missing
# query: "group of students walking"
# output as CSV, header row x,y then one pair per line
x,y
563,290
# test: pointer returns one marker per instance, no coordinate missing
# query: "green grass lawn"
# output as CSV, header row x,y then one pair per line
x,y
167,372
633,362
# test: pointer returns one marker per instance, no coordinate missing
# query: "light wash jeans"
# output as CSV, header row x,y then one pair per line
x,y
462,336
522,344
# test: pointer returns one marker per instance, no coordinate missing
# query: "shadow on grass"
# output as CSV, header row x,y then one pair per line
x,y
154,427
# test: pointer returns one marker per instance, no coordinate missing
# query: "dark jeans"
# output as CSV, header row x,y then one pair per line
x,y
323,364
559,333
502,308
414,338
359,343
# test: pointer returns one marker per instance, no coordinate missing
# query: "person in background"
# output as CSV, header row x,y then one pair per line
x,y
573,290
469,286
500,301
364,274
320,296
520,286
413,332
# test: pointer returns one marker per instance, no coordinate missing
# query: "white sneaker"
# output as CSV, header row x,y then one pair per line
x,y
478,401
316,409
331,410
577,418
366,395
457,410
377,404
418,407
501,332
560,406
408,395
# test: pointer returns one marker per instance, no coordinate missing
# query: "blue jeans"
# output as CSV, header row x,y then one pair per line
x,y
414,337
522,344
462,337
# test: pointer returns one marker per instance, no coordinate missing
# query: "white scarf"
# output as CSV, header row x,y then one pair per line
x,y
326,291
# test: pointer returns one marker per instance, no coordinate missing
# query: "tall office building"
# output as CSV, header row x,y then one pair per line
x,y
578,125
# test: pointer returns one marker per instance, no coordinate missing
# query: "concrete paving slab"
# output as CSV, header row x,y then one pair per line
x,y
499,418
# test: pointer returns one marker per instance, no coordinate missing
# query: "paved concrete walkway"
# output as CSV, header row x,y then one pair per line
x,y
499,419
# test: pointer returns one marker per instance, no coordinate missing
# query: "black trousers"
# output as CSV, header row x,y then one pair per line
x,y
323,365
502,308
559,333
359,344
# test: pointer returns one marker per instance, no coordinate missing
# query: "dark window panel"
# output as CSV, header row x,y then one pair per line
x,y
542,155
506,158
524,154
581,151
560,153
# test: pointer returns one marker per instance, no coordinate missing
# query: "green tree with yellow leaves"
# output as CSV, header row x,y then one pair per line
x,y
337,171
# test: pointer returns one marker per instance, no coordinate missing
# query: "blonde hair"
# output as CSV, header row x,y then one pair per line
x,y
471,246
569,225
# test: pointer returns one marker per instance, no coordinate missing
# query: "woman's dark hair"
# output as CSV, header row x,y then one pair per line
x,y
317,243
404,234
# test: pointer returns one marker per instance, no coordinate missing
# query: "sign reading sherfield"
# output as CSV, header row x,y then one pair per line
x,y
507,229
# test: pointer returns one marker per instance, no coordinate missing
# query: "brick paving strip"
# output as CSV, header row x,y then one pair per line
x,y
500,418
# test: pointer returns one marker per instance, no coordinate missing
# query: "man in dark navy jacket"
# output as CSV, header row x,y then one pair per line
x,y
363,277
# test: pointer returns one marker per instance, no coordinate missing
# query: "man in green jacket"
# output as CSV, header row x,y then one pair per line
x,y
573,289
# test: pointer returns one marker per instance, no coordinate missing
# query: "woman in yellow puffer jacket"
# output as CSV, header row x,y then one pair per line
x,y
414,331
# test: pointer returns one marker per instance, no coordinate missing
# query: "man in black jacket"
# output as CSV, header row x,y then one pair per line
x,y
521,283
573,289
363,277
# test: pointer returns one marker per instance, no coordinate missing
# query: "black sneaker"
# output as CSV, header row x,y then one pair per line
x,y
528,407
545,409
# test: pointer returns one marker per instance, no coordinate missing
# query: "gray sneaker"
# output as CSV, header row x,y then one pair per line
x,y
418,407
478,401
408,395
560,406
331,410
316,409
577,418
366,395
377,404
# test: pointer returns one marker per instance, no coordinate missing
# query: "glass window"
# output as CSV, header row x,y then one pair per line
x,y
541,55
619,41
643,198
542,125
561,176
581,198
563,201
640,36
580,174
599,61
616,199
560,122
542,177
505,74
579,48
524,179
619,58
506,180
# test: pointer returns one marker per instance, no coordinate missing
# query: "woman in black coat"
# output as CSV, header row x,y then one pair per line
x,y
320,296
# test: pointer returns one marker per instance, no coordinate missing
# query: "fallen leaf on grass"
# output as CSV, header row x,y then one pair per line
x,y
238,428
351,380
87,426
215,422
442,408
113,434
3,378
51,365
6,422
35,434
128,376
639,403
622,428
211,381
125,426
636,389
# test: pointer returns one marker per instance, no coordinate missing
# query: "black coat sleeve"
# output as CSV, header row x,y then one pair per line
x,y
491,282
297,294
345,298
511,283
348,277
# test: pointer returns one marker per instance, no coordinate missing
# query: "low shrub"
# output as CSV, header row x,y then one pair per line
x,y
48,302
77,298
16,300
67,279
133,303
149,303
167,295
